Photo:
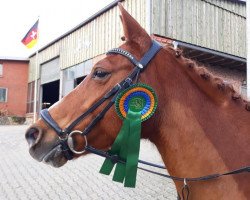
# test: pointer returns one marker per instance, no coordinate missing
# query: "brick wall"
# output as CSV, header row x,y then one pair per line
x,y
15,79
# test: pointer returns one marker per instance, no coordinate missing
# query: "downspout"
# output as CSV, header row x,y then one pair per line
x,y
148,16
248,48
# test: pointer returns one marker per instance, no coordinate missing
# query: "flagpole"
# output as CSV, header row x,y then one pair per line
x,y
35,89
30,40
248,49
36,81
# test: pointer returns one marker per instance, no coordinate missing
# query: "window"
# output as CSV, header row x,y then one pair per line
x,y
30,97
3,94
1,70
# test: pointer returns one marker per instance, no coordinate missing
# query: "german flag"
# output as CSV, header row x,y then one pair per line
x,y
30,39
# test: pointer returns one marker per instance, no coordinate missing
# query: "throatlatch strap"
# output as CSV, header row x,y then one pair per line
x,y
126,146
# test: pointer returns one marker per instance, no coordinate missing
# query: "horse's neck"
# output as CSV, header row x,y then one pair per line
x,y
197,136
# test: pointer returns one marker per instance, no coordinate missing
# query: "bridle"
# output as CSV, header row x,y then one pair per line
x,y
66,135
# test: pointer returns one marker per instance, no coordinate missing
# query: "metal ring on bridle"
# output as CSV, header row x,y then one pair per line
x,y
70,142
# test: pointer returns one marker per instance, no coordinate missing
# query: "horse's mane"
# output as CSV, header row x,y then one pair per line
x,y
202,76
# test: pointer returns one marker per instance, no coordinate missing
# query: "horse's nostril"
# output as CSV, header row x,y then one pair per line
x,y
31,135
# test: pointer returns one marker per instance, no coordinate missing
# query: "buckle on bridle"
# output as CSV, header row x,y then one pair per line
x,y
63,136
128,81
140,65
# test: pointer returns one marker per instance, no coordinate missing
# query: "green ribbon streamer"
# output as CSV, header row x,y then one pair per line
x,y
126,146
133,149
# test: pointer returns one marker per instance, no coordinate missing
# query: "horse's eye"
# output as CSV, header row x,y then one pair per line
x,y
100,74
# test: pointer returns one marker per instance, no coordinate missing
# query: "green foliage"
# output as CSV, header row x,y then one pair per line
x,y
18,120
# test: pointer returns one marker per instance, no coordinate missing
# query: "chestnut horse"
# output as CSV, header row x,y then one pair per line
x,y
201,125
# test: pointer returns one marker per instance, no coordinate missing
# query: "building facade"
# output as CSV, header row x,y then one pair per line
x,y
209,31
13,86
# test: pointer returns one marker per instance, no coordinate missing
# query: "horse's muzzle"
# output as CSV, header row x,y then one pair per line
x,y
43,149
33,135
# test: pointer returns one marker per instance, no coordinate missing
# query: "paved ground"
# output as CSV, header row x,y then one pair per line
x,y
21,177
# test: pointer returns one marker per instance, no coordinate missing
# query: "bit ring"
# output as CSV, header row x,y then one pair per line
x,y
70,141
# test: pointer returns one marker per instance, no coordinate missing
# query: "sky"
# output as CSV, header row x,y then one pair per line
x,y
56,17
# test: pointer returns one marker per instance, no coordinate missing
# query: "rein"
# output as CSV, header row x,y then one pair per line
x,y
66,135
185,188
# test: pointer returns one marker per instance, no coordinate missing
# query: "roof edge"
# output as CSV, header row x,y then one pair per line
x,y
239,1
205,49
91,18
13,58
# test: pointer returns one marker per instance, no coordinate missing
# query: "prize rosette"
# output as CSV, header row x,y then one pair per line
x,y
134,105
138,98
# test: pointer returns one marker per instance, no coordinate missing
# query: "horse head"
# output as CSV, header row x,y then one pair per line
x,y
44,143
199,119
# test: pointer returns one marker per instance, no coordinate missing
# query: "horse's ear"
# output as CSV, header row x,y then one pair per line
x,y
132,29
